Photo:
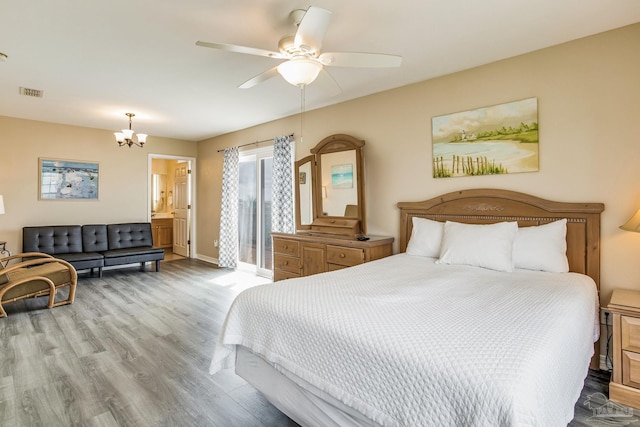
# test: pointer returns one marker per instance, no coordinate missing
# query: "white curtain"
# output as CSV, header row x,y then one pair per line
x,y
282,186
228,256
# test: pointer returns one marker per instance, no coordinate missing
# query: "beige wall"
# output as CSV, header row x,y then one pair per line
x,y
123,175
589,113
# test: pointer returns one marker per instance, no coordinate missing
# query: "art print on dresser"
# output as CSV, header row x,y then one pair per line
x,y
499,139
68,179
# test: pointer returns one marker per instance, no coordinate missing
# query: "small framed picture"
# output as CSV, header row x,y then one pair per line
x,y
303,178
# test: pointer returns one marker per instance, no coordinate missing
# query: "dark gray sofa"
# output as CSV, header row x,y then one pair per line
x,y
95,246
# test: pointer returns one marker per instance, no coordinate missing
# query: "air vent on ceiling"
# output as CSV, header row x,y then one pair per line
x,y
31,92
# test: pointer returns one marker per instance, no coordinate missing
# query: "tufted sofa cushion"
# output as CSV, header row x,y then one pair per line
x,y
94,238
129,243
53,240
129,235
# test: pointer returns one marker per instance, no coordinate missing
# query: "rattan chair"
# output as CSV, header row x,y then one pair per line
x,y
34,274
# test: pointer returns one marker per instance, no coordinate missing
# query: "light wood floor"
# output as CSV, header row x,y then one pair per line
x,y
134,350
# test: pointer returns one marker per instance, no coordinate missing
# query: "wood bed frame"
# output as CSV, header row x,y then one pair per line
x,y
486,206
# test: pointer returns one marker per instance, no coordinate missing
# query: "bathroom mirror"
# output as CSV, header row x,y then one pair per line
x,y
159,193
336,168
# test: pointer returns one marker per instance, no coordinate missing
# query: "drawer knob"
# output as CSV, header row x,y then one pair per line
x,y
286,263
342,255
333,221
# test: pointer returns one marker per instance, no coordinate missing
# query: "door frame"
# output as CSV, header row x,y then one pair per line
x,y
192,194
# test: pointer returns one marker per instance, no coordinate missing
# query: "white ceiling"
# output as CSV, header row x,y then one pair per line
x,y
96,60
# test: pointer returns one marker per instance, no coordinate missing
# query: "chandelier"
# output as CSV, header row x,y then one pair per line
x,y
126,136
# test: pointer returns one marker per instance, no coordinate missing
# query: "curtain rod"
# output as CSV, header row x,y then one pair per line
x,y
252,143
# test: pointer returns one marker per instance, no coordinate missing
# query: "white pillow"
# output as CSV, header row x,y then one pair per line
x,y
542,247
481,245
426,238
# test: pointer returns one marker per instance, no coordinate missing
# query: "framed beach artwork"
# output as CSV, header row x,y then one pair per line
x,y
499,139
68,179
342,176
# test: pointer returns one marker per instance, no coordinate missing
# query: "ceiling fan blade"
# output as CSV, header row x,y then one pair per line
x,y
312,28
360,59
259,78
241,49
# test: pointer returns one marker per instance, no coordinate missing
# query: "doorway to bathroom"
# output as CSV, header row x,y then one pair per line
x,y
171,204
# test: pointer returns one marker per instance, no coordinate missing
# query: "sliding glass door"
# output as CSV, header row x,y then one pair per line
x,y
254,211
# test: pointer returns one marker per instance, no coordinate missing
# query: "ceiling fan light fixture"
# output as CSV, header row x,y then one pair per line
x,y
302,52
300,71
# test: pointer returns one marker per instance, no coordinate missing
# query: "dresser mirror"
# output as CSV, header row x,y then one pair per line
x,y
304,192
336,198
339,192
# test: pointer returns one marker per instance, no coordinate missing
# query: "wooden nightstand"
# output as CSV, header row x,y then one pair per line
x,y
625,382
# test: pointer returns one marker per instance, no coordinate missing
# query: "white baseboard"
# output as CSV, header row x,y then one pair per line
x,y
208,259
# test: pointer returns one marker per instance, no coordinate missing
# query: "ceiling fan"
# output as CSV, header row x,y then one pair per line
x,y
304,60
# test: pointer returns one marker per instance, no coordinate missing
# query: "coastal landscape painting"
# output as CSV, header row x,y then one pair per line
x,y
342,176
68,180
499,139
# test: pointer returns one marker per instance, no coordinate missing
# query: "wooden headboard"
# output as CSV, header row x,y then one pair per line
x,y
485,206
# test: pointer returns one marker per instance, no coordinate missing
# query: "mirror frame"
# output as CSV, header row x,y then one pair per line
x,y
332,144
312,177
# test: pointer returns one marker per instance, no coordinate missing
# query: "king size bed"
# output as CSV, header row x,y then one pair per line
x,y
487,316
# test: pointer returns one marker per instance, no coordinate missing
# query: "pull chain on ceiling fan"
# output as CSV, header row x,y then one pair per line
x,y
304,61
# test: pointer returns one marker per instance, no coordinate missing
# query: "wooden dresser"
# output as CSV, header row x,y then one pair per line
x,y
304,254
625,381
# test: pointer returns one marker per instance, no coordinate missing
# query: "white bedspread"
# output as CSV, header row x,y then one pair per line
x,y
408,342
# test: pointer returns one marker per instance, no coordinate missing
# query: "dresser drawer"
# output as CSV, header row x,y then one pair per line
x,y
630,333
287,247
631,369
287,263
345,227
344,256
283,275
